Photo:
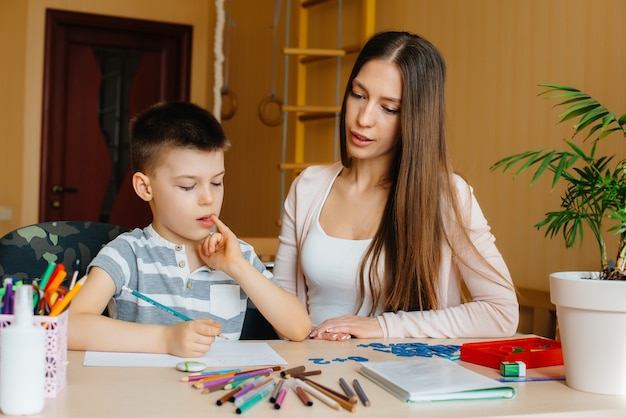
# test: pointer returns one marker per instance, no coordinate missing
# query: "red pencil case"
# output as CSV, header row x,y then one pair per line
x,y
535,352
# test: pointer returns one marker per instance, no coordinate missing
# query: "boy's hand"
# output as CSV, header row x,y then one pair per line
x,y
220,250
191,338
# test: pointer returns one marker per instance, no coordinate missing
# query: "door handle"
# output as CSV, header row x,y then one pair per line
x,y
62,189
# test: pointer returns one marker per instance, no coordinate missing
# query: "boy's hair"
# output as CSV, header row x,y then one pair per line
x,y
173,124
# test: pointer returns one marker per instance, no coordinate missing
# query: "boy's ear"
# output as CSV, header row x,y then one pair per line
x,y
141,184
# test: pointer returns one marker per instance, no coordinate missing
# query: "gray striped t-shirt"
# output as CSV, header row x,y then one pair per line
x,y
146,262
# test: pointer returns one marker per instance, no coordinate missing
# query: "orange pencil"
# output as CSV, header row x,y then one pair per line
x,y
205,379
61,304
56,278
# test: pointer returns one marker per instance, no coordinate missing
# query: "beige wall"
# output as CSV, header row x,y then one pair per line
x,y
12,98
497,52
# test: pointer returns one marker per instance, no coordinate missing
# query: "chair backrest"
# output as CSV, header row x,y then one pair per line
x,y
26,252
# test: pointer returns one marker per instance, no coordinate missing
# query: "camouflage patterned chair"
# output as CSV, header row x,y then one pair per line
x,y
26,251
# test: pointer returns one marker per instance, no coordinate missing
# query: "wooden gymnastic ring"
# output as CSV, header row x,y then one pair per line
x,y
263,106
232,99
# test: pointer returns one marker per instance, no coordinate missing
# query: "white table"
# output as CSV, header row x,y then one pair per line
x,y
158,392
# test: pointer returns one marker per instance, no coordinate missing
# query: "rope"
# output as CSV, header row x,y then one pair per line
x,y
219,59
272,100
229,98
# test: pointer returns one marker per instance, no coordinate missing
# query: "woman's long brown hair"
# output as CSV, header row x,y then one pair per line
x,y
422,207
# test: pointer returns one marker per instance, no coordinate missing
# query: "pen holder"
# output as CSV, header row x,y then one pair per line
x,y
56,349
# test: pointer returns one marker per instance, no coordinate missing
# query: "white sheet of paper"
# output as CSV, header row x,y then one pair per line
x,y
223,353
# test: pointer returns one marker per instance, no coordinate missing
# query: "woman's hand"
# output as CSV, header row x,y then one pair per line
x,y
191,338
344,327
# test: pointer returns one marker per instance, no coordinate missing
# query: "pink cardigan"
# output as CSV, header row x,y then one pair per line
x,y
493,310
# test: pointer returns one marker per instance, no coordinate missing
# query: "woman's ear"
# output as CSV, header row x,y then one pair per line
x,y
141,184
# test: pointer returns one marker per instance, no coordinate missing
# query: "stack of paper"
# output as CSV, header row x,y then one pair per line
x,y
433,379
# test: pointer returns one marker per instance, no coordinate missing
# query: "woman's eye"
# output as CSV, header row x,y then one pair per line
x,y
391,111
217,183
356,95
187,188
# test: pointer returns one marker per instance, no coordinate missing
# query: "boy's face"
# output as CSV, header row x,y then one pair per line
x,y
186,188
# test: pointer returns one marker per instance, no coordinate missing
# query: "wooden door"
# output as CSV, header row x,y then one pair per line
x,y
99,72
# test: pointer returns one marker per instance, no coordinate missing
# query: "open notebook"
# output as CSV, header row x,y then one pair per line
x,y
433,379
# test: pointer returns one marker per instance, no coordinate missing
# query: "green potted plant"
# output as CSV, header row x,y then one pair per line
x,y
594,199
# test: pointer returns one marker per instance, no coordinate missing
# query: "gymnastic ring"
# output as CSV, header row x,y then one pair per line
x,y
232,99
263,106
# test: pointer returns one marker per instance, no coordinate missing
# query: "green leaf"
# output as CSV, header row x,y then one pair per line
x,y
589,118
576,110
547,159
556,87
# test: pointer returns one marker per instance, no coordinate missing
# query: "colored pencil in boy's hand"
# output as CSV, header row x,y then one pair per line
x,y
161,306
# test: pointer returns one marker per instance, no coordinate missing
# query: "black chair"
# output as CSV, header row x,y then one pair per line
x,y
256,327
26,252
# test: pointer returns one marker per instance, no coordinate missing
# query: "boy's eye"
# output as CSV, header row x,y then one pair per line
x,y
216,183
187,188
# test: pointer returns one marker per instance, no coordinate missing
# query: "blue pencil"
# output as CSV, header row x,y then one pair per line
x,y
157,304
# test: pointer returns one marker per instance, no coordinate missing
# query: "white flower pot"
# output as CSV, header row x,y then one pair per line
x,y
592,325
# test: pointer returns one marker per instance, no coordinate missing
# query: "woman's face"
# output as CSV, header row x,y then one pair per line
x,y
373,110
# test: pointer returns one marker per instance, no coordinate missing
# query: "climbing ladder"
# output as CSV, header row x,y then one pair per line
x,y
311,121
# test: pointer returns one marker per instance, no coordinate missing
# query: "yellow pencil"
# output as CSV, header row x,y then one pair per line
x,y
60,305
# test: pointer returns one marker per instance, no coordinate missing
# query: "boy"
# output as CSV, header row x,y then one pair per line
x,y
177,152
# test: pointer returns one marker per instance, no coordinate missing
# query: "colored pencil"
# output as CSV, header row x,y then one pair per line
x,y
228,395
214,378
201,375
212,388
339,398
46,276
62,304
246,387
349,392
361,393
306,374
155,303
303,396
220,381
280,398
255,400
327,389
276,390
287,373
319,395
258,386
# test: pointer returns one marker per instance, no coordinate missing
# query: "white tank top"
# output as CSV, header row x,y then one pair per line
x,y
331,267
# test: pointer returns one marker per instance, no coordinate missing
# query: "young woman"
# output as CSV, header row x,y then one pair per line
x,y
390,242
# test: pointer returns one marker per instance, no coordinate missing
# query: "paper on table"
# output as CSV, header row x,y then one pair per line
x,y
227,353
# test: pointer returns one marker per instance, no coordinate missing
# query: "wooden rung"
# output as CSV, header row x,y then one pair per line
x,y
315,58
311,3
315,51
316,116
298,166
312,109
